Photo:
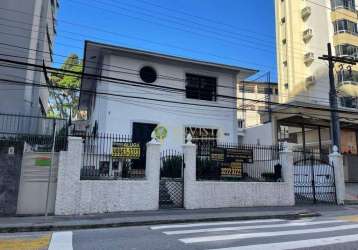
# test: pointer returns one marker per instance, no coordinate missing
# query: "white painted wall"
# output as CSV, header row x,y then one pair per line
x,y
219,194
262,134
116,114
83,197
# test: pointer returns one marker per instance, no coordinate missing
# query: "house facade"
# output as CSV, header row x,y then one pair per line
x,y
148,90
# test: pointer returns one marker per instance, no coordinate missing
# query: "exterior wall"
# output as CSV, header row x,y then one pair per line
x,y
248,110
117,114
215,194
295,72
262,135
26,36
83,197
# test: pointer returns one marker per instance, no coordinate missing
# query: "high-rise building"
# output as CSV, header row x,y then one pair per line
x,y
27,31
303,29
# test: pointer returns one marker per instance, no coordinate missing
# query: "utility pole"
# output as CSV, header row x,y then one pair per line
x,y
335,126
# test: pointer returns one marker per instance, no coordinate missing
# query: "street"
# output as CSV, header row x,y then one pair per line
x,y
331,231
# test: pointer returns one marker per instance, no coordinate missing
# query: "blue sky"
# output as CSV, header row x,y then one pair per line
x,y
233,32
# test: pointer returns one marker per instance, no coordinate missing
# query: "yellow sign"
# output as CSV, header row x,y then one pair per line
x,y
232,170
126,150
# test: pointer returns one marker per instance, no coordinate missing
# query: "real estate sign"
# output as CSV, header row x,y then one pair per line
x,y
231,160
125,150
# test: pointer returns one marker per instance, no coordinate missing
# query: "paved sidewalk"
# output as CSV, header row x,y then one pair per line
x,y
55,223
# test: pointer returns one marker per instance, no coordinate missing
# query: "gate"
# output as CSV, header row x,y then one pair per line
x,y
171,185
314,178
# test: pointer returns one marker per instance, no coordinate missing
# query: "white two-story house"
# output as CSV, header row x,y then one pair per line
x,y
139,90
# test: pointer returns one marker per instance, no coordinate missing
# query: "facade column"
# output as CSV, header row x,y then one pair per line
x,y
336,160
189,151
286,159
152,169
69,173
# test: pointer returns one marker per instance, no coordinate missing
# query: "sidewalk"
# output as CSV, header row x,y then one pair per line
x,y
56,223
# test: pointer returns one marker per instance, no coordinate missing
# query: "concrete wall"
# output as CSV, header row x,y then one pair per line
x,y
116,115
10,170
83,197
218,194
262,135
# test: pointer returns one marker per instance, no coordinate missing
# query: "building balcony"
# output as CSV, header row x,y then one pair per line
x,y
348,83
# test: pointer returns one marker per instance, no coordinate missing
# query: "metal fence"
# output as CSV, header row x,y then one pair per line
x,y
100,162
232,162
171,187
314,178
25,124
171,164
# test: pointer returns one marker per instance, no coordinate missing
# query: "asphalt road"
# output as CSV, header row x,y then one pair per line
x,y
332,231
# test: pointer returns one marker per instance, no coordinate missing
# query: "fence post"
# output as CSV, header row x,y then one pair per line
x,y
189,151
152,169
286,159
336,160
69,171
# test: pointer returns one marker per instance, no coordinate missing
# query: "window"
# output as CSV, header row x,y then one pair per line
x,y
346,4
347,50
345,26
203,138
42,107
286,85
148,74
200,87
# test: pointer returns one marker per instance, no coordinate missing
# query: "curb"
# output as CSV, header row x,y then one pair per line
x,y
59,227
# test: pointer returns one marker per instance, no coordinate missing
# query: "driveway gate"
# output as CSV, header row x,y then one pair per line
x,y
171,187
314,178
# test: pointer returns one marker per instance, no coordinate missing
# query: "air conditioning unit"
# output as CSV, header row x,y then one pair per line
x,y
307,35
309,57
311,80
306,12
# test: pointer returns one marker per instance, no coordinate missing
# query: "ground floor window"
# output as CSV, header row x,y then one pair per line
x,y
204,138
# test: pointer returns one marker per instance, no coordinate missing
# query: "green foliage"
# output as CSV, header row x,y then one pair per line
x,y
172,166
64,102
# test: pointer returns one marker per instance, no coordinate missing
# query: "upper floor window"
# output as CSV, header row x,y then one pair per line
x,y
201,87
345,26
347,4
347,50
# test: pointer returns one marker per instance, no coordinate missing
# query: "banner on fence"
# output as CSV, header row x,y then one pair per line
x,y
125,150
232,155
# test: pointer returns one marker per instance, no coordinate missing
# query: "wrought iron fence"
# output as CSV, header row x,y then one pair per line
x,y
314,178
171,164
102,162
232,162
171,187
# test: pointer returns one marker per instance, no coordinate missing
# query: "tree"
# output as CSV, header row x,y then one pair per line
x,y
64,102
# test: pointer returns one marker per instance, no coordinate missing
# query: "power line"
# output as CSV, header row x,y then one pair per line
x,y
164,88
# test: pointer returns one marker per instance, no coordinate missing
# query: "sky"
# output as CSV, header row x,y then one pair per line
x,y
234,32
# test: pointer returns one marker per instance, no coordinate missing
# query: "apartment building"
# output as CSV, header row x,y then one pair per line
x,y
303,30
249,111
27,29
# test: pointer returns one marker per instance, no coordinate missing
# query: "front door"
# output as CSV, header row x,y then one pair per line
x,y
141,134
